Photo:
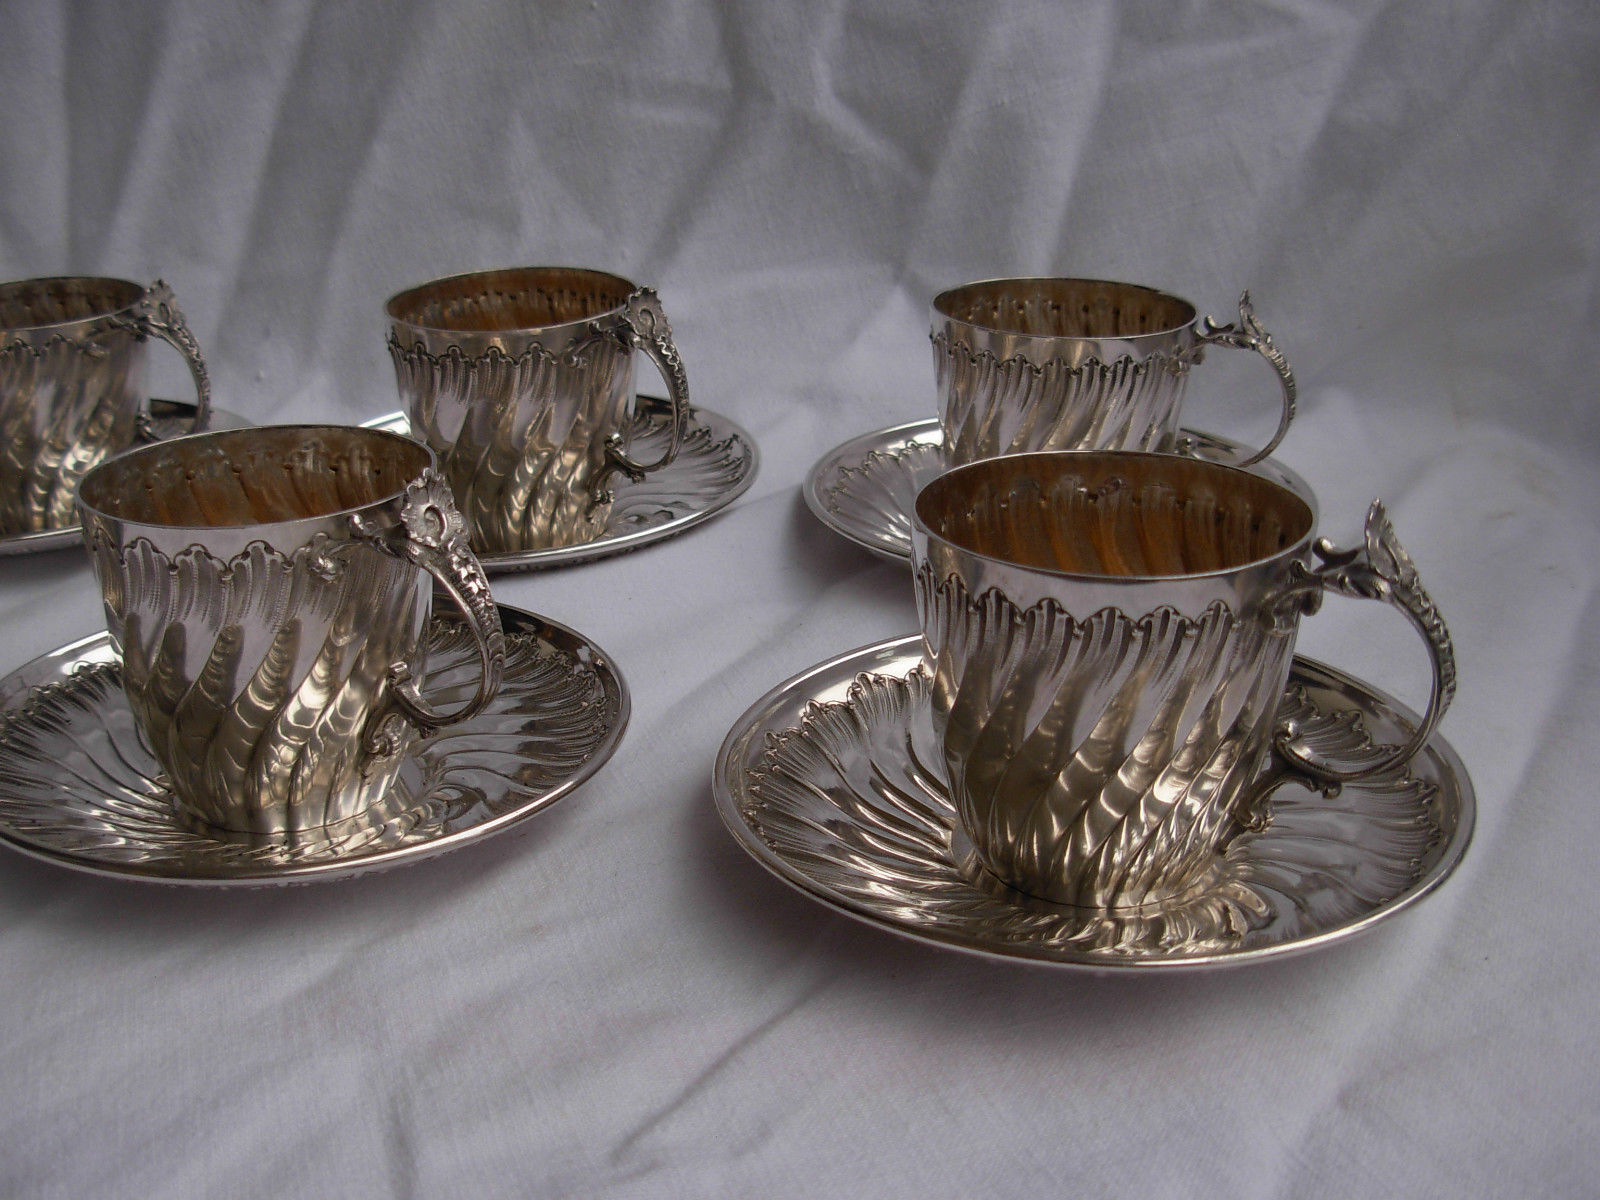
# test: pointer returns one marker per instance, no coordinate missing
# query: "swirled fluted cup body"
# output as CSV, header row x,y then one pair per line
x,y
1109,635
260,617
1023,365
72,384
521,381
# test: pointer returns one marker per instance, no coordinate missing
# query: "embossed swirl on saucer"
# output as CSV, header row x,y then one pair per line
x,y
834,782
79,788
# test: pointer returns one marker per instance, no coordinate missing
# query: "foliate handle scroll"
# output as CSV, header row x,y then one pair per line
x,y
156,314
1250,334
1379,570
436,540
644,327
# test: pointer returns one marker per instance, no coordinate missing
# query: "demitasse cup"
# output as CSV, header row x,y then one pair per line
x,y
72,386
270,590
1076,364
1110,634
522,381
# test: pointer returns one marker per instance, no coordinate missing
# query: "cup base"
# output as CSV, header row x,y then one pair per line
x,y
1201,881
383,806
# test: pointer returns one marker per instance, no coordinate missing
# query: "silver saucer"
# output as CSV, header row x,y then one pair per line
x,y
78,786
834,783
864,489
716,462
169,418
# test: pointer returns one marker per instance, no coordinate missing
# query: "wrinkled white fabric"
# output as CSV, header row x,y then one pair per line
x,y
615,1001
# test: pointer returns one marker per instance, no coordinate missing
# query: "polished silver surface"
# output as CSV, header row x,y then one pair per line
x,y
863,489
72,381
1077,364
715,464
78,786
519,380
269,591
1109,634
834,783
168,419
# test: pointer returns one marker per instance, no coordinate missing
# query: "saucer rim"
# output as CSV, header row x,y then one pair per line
x,y
721,428
856,449
96,647
889,658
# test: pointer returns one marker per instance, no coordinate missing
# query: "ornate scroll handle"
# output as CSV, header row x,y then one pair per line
x,y
436,540
1250,334
1380,570
156,314
643,326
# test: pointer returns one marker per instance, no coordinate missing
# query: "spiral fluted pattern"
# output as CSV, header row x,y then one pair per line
x,y
994,405
1099,760
519,436
259,679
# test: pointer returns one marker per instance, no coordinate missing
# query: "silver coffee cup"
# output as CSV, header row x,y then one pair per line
x,y
1110,634
522,382
72,386
1077,364
270,591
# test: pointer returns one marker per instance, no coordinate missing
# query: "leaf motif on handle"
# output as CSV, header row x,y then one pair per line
x,y
1392,562
429,512
643,325
156,314
1251,334
436,541
1380,569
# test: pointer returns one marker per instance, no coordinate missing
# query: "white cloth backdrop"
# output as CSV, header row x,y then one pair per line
x,y
616,1001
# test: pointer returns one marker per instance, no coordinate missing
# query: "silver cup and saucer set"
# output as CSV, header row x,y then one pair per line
x,y
304,674
1100,752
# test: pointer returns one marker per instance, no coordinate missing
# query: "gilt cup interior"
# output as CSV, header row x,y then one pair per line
x,y
1069,308
521,298
260,476
1113,514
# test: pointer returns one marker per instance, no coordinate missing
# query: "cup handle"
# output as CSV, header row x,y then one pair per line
x,y
1250,334
1379,570
435,539
643,326
156,314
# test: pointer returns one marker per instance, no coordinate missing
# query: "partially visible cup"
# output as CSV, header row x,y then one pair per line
x,y
521,381
270,591
72,386
1110,634
1077,364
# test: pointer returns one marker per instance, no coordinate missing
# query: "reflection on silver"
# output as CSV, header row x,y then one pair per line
x,y
835,783
78,786
269,590
1110,633
168,419
519,381
715,464
1022,365
863,489
72,382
